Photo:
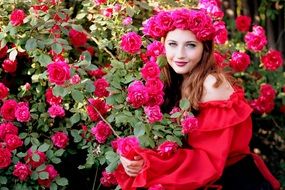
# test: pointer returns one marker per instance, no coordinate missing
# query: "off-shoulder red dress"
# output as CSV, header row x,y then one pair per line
x,y
222,139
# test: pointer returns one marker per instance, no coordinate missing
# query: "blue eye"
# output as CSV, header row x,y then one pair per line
x,y
172,44
191,45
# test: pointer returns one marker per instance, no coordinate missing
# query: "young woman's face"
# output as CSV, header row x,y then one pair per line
x,y
183,50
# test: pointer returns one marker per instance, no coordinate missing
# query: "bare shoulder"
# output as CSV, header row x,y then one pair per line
x,y
210,93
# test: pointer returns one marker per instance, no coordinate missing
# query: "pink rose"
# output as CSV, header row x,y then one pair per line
x,y
77,38
180,18
150,70
56,111
17,17
127,21
58,72
101,107
7,128
221,32
189,124
243,23
240,61
22,112
52,174
5,157
101,88
165,21
272,60
3,91
152,28
117,7
51,99
13,141
9,66
101,131
75,79
107,12
108,179
155,99
137,94
127,146
167,149
22,171
35,158
153,113
255,40
155,49
131,42
3,52
154,86
8,110
60,139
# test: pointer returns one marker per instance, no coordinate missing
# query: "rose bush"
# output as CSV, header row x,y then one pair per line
x,y
83,79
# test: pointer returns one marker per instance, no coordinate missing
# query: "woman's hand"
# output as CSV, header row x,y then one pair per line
x,y
132,167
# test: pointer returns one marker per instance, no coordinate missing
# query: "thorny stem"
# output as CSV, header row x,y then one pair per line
x,y
94,182
110,126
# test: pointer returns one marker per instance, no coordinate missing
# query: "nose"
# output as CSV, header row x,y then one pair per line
x,y
180,53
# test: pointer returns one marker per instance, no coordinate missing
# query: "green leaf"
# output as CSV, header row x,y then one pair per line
x,y
59,91
89,86
43,175
31,44
53,186
21,154
36,157
59,152
56,160
44,60
111,156
184,104
44,147
61,181
75,118
80,16
3,180
76,136
112,166
57,48
176,115
174,139
130,11
77,95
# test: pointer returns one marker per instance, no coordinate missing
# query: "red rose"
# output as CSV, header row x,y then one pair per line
x,y
60,139
17,17
35,158
77,38
22,171
272,60
108,179
3,52
13,141
52,173
5,157
7,128
240,61
131,42
243,23
101,107
101,88
58,72
22,112
167,148
8,110
9,66
3,91
51,99
101,131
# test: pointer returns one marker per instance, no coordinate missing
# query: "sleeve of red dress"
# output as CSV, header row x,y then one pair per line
x,y
200,165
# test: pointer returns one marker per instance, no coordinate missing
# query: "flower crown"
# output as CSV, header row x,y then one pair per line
x,y
197,21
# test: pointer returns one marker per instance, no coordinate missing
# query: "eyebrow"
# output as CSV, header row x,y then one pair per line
x,y
185,42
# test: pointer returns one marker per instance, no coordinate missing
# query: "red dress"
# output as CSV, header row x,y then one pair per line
x,y
223,136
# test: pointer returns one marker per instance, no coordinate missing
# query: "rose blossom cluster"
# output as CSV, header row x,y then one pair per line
x,y
101,85
11,110
150,94
272,60
94,105
239,61
221,32
265,102
255,40
17,17
55,109
196,21
189,124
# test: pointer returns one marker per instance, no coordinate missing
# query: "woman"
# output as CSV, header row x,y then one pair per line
x,y
218,155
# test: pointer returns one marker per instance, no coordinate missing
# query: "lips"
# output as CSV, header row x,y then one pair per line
x,y
180,63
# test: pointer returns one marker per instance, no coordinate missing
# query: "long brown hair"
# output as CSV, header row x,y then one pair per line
x,y
191,87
